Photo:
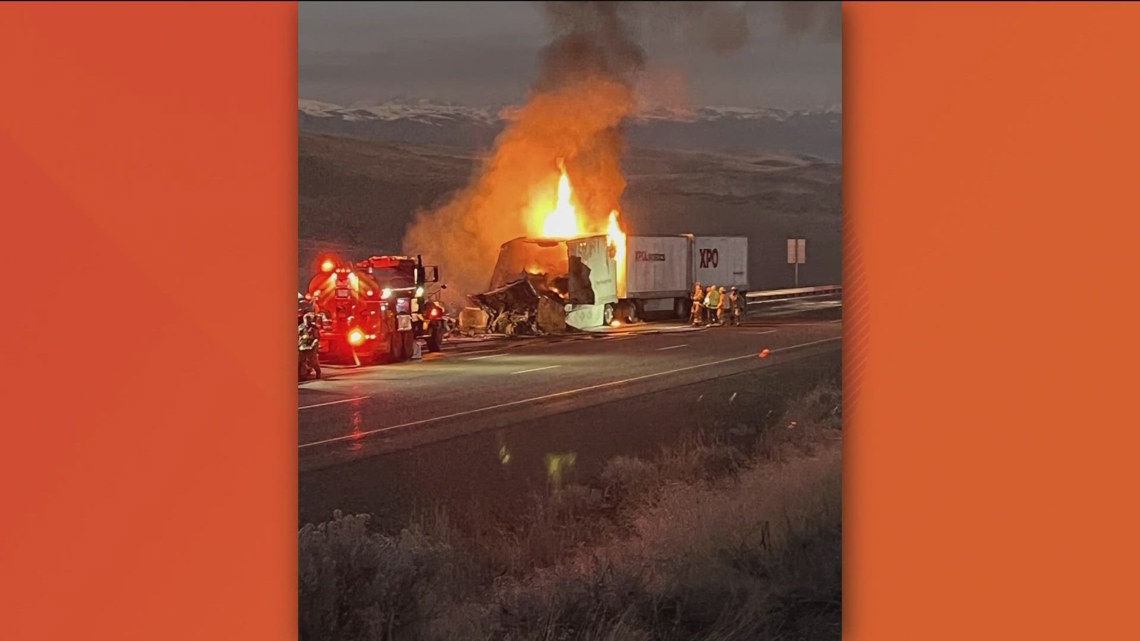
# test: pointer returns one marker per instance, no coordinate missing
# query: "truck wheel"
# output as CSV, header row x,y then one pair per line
x,y
409,345
435,337
395,348
632,314
608,314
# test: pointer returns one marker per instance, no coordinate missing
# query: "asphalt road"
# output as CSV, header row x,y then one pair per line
x,y
356,414
495,476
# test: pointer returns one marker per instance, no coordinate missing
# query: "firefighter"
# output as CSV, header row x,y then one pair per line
x,y
712,301
721,305
697,313
308,344
736,307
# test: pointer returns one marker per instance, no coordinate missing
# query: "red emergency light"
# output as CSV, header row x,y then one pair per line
x,y
327,265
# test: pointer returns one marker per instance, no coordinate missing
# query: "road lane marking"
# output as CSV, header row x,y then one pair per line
x,y
767,331
662,349
424,421
477,351
537,369
347,400
732,398
487,356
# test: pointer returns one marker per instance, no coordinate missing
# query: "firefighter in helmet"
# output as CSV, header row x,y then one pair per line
x,y
308,343
735,305
721,305
696,317
712,302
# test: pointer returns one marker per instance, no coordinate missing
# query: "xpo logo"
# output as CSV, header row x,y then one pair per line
x,y
710,258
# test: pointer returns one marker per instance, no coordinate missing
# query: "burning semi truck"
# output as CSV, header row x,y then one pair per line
x,y
542,285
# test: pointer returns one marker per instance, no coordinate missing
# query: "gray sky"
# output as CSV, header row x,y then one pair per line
x,y
482,53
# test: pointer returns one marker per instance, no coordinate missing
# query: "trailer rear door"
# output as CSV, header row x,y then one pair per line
x,y
721,261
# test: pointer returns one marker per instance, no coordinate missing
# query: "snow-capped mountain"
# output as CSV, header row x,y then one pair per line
x,y
808,132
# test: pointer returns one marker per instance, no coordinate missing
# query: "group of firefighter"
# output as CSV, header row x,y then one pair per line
x,y
711,305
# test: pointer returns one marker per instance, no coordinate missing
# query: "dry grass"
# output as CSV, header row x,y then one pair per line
x,y
710,540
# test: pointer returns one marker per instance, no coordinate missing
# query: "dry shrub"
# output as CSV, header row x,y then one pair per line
x,y
626,478
358,584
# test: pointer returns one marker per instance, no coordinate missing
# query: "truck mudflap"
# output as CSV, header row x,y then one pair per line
x,y
404,323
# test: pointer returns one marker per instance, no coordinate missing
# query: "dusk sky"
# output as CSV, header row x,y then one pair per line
x,y
481,53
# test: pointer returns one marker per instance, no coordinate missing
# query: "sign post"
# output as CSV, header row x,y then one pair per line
x,y
797,254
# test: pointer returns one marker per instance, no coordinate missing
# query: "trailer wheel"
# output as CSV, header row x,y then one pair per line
x,y
608,314
435,337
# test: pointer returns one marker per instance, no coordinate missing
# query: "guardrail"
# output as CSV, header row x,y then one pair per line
x,y
785,294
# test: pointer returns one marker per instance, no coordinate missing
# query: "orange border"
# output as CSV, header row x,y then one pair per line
x,y
148,469
991,235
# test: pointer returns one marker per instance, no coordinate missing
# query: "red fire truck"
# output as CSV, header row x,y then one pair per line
x,y
362,322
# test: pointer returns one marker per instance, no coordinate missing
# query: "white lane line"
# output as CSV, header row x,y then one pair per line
x,y
662,349
477,351
347,400
359,435
732,398
537,369
767,331
477,358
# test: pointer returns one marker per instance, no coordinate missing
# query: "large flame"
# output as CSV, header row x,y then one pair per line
x,y
615,237
563,221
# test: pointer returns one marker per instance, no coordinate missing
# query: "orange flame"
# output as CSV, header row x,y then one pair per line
x,y
615,237
563,221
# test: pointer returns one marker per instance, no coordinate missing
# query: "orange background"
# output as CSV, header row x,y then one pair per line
x,y
147,474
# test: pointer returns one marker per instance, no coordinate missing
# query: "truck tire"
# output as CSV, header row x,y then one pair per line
x,y
396,348
409,345
435,337
632,313
608,314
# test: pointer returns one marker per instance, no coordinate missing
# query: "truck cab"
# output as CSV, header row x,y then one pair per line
x,y
407,279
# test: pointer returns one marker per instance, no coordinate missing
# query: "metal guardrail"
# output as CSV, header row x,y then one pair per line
x,y
785,294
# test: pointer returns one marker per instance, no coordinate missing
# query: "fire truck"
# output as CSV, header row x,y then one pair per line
x,y
407,277
362,321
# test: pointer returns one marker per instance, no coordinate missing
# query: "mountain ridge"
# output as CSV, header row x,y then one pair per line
x,y
813,132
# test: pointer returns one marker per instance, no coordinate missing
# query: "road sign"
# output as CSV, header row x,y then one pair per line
x,y
797,251
797,255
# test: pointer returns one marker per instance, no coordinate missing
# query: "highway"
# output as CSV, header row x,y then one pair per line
x,y
359,413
